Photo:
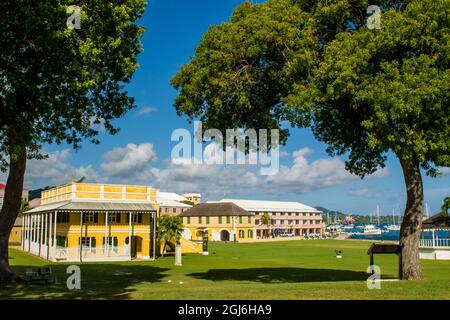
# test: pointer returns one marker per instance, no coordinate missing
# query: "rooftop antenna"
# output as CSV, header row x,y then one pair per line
x,y
427,211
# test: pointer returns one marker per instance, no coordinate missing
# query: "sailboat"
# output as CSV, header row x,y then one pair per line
x,y
335,226
370,229
393,227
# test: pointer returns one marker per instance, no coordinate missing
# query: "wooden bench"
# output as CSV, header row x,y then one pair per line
x,y
39,275
382,248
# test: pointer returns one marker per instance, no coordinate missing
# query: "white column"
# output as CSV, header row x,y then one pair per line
x,y
81,236
46,234
49,235
154,235
46,229
434,240
41,231
32,230
36,229
29,232
129,233
106,233
54,234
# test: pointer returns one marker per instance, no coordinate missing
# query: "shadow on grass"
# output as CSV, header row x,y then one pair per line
x,y
97,282
281,275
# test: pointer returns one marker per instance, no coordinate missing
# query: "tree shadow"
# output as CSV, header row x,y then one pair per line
x,y
281,275
98,281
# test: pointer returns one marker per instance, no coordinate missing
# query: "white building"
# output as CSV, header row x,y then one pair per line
x,y
292,218
170,203
435,248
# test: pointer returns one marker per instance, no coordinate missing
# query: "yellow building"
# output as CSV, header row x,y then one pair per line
x,y
15,237
92,222
218,222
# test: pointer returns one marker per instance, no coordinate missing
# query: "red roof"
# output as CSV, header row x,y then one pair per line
x,y
3,186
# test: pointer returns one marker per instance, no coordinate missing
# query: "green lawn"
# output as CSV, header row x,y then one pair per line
x,y
279,270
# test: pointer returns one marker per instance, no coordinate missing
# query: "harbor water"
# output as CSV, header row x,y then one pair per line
x,y
390,235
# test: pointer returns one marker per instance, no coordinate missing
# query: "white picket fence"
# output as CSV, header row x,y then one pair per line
x,y
433,243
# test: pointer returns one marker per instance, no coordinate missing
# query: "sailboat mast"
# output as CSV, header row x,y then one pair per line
x,y
378,215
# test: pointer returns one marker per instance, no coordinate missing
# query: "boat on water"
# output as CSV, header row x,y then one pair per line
x,y
392,227
334,228
369,230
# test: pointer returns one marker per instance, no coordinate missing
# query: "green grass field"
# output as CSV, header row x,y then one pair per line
x,y
278,270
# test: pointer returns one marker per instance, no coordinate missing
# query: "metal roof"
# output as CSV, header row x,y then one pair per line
x,y
271,206
93,206
170,196
437,222
173,203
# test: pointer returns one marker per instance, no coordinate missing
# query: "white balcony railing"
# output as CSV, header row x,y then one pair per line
x,y
91,252
433,243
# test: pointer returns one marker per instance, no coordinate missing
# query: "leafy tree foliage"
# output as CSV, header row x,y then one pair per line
x,y
57,84
316,64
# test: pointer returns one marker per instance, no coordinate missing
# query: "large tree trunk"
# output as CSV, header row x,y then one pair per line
x,y
412,220
10,209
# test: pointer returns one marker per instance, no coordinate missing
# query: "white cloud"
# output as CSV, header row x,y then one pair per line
x,y
364,192
127,161
145,110
444,170
304,176
284,154
56,170
135,163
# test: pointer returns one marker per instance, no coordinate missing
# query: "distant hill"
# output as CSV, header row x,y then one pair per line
x,y
36,193
325,211
359,218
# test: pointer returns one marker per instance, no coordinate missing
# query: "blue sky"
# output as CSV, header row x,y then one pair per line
x,y
140,153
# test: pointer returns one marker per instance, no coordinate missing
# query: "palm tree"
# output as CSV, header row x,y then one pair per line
x,y
266,220
23,207
445,206
169,230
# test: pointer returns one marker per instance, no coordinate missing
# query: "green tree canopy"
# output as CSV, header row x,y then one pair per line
x,y
316,64
56,84
445,206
